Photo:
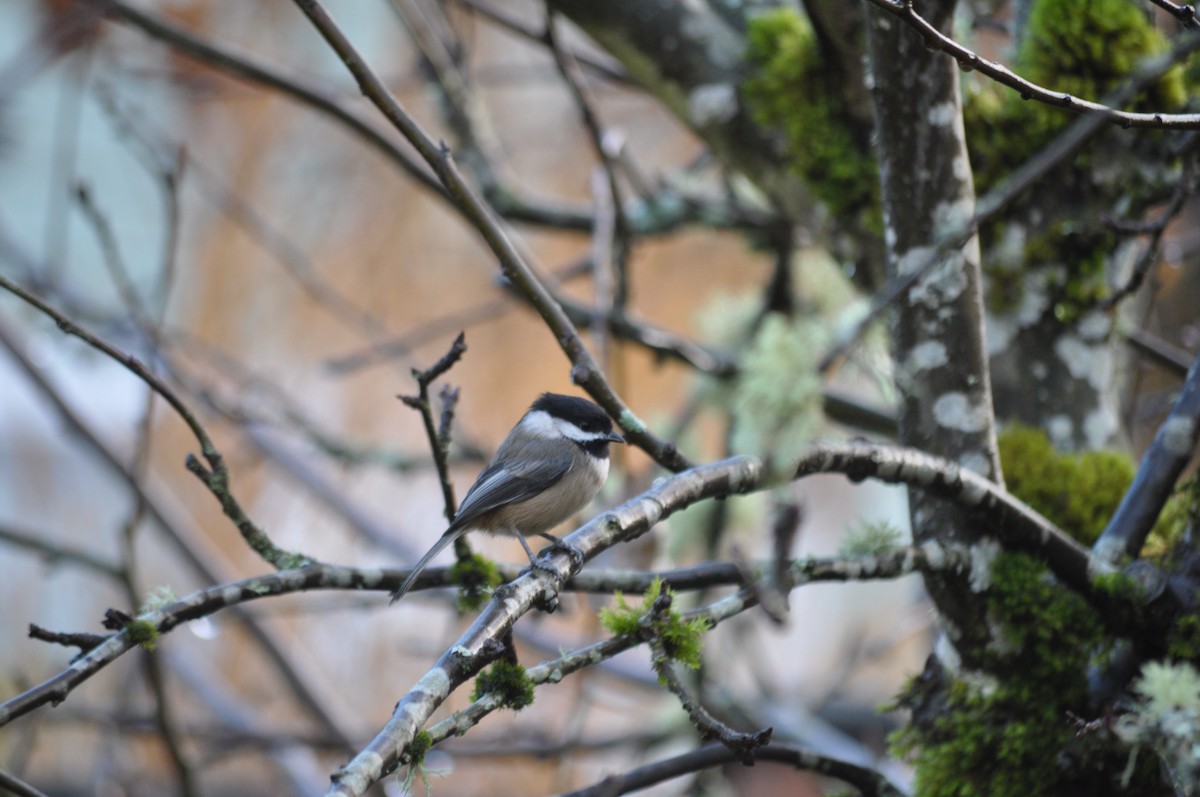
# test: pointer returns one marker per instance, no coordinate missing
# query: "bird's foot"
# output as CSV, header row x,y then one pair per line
x,y
576,555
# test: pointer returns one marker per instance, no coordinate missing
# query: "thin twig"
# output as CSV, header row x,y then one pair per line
x,y
439,438
481,312
1160,351
602,65
83,641
1013,524
53,553
175,536
1155,229
216,476
865,779
199,604
741,744
18,787
297,265
662,343
971,61
585,371
612,242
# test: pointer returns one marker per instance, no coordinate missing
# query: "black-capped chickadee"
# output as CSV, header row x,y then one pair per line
x,y
550,466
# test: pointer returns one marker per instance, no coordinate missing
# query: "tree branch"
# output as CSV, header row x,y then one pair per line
x,y
866,780
1172,449
216,476
1014,524
971,61
743,745
585,371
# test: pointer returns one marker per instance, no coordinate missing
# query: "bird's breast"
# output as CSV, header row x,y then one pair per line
x,y
555,504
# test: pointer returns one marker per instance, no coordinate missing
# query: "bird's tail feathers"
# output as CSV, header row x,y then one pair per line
x,y
450,536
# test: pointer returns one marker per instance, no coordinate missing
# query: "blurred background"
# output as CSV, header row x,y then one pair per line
x,y
284,276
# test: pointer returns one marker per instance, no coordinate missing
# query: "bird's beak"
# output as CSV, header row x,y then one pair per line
x,y
613,437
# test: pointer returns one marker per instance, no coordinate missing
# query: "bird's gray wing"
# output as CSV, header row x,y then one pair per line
x,y
508,483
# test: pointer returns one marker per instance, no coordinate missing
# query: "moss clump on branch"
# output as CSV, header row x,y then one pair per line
x,y
1080,492
682,640
1077,492
506,681
476,577
1007,733
1082,49
1085,50
419,747
144,633
791,92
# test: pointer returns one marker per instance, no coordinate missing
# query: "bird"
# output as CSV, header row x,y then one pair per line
x,y
551,465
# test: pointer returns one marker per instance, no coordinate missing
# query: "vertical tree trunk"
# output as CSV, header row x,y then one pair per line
x,y
940,351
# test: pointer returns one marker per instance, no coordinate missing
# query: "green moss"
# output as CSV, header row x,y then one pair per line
x,y
1085,50
1077,492
1182,511
1082,49
142,632
1183,641
1120,586
508,682
477,577
419,747
1006,735
682,640
790,91
414,757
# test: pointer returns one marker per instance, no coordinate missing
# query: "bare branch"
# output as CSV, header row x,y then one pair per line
x,y
1014,523
585,371
866,780
439,439
1185,15
1160,351
971,61
1172,449
199,604
175,537
1155,229
603,66
54,553
216,476
18,787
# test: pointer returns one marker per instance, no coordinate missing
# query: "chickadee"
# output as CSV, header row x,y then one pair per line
x,y
550,466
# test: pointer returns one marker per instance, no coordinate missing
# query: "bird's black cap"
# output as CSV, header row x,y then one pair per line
x,y
587,416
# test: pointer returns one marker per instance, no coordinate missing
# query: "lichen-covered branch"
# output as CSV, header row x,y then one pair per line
x,y
1173,447
148,626
1014,523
